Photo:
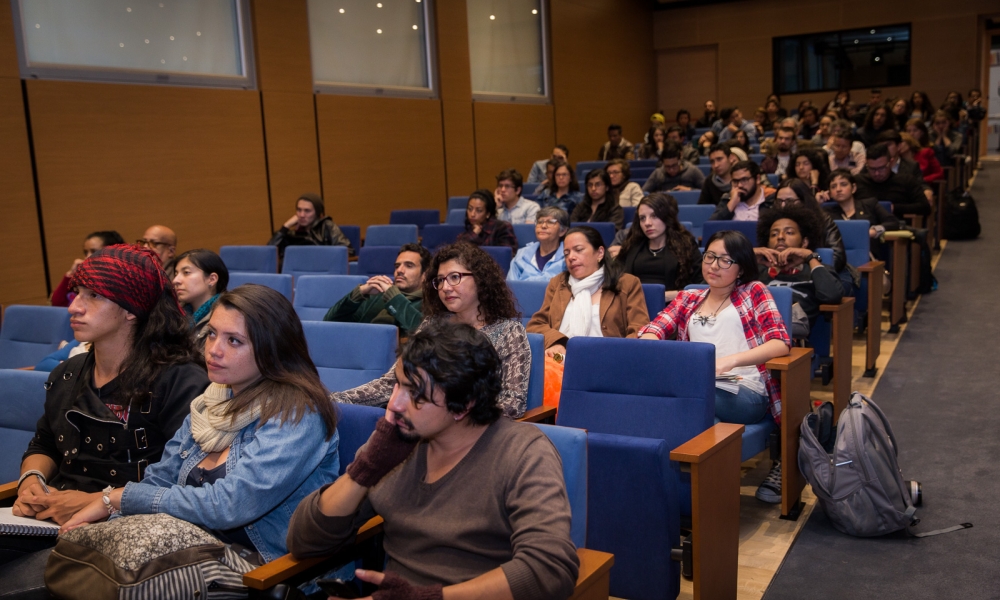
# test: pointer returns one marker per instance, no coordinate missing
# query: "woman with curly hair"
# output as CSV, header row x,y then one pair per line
x,y
811,167
593,299
658,249
464,284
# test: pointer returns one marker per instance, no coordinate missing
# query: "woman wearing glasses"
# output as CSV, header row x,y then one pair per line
x,y
738,316
561,190
599,204
542,260
593,299
466,285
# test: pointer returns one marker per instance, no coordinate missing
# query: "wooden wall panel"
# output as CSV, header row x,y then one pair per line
x,y
455,81
8,46
511,136
379,154
127,156
459,146
292,156
686,77
281,37
603,71
21,271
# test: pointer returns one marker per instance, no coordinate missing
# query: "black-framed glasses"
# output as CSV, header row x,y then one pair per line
x,y
742,180
453,279
724,261
151,243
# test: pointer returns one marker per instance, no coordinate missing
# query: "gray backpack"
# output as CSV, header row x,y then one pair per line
x,y
855,475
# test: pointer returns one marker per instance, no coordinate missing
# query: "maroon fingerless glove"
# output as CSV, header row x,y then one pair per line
x,y
383,452
395,587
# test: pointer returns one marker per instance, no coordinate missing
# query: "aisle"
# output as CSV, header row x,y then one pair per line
x,y
940,392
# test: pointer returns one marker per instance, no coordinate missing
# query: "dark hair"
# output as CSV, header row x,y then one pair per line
x,y
682,111
924,140
513,175
845,173
563,148
574,185
209,262
727,112
675,128
496,301
316,201
877,151
671,150
487,197
680,242
818,162
740,249
108,238
614,127
889,135
425,254
612,268
783,129
460,361
602,174
870,118
745,144
626,169
289,386
802,191
721,147
747,165
876,91
811,109
809,223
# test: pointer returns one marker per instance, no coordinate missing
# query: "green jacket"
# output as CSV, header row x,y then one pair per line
x,y
391,307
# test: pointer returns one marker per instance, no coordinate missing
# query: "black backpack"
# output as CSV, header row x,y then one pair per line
x,y
961,217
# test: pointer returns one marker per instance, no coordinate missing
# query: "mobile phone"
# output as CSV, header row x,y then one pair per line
x,y
338,588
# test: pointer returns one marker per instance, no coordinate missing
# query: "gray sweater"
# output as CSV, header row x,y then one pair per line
x,y
503,505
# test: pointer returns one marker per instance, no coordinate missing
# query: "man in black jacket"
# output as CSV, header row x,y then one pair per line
x,y
878,181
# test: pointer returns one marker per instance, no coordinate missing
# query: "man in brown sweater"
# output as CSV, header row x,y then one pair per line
x,y
471,501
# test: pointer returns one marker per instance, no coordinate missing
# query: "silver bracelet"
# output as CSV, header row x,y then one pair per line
x,y
29,473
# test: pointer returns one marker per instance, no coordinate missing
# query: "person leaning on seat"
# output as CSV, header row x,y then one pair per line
x,y
395,301
473,503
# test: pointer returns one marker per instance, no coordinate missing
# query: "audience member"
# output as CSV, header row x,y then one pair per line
x,y
562,190
599,203
473,503
779,154
823,131
921,106
878,181
688,152
709,117
482,227
760,121
655,120
397,301
742,141
201,277
795,192
140,376
674,174
511,206
616,146
876,122
809,166
731,121
808,122
63,294
738,316
899,113
874,100
465,285
656,136
684,122
772,114
628,192
542,260
898,163
745,198
260,439
706,141
781,112
912,151
537,173
658,249
850,208
550,168
786,253
310,226
719,183
593,299
163,242
945,142
844,152
839,102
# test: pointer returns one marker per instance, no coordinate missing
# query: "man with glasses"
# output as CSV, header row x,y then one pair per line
x,y
878,181
162,241
511,207
745,200
673,174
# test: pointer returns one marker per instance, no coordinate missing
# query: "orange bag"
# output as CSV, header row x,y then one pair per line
x,y
552,382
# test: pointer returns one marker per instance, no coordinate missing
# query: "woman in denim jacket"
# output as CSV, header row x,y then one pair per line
x,y
262,436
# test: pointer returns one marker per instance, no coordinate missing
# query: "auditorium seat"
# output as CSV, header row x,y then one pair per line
x,y
535,411
30,333
419,217
250,259
314,260
706,170
529,295
457,202
525,234
868,303
353,234
435,236
350,354
774,179
638,163
456,216
280,283
697,215
607,230
376,260
22,404
642,172
502,255
584,167
747,228
655,300
629,214
390,235
686,197
315,294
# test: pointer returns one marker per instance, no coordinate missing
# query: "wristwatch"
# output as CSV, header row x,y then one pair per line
x,y
814,255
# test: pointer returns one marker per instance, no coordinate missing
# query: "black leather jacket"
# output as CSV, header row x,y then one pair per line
x,y
322,233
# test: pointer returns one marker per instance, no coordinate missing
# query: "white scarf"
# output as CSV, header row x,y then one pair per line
x,y
211,427
577,319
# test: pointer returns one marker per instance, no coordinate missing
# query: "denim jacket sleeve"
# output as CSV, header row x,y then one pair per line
x,y
164,473
264,474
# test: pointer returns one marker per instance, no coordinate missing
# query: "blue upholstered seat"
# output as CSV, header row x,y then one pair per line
x,y
502,254
376,260
686,197
30,333
419,217
530,295
456,216
390,235
457,202
314,260
747,228
353,233
280,283
355,424
696,214
435,236
572,446
536,375
350,354
525,234
250,259
22,403
655,300
315,294
607,230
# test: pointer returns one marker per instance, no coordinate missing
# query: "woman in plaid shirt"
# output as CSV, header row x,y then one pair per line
x,y
737,315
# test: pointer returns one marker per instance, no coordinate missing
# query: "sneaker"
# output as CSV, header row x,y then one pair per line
x,y
770,490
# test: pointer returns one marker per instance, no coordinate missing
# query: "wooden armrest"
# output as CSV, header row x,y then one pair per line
x,y
870,266
538,415
276,571
841,349
794,358
26,368
8,490
703,446
846,306
916,221
595,574
874,272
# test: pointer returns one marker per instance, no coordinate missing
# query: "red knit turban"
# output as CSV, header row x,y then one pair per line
x,y
128,275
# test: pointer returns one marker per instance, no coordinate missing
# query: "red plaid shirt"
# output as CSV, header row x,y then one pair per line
x,y
758,313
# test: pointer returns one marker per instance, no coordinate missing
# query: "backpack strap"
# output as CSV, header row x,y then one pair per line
x,y
936,531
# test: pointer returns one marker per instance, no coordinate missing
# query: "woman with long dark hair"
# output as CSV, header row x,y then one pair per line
x,y
199,277
562,189
261,438
482,227
809,166
594,298
921,106
876,121
599,203
466,285
658,249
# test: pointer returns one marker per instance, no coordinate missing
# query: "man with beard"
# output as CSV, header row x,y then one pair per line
x,y
745,200
784,144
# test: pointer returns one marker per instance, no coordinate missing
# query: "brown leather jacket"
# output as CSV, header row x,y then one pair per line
x,y
622,313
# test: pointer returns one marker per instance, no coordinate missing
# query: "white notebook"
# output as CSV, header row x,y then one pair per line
x,y
11,525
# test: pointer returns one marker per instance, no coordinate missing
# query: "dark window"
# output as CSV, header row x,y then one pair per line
x,y
848,59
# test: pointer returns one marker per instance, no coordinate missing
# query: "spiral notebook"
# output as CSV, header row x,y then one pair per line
x,y
11,525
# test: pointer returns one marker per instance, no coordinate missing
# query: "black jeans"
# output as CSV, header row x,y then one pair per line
x,y
22,566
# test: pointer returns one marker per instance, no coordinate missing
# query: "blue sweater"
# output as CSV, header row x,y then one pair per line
x,y
524,268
